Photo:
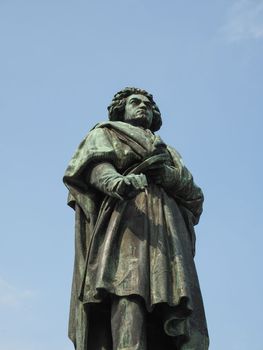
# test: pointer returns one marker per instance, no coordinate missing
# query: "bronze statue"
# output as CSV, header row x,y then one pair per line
x,y
135,285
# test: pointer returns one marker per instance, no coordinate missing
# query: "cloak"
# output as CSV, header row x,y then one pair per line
x,y
142,246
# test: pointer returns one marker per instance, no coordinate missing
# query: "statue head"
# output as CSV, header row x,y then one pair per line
x,y
137,107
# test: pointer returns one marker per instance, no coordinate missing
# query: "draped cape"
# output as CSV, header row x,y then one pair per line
x,y
142,246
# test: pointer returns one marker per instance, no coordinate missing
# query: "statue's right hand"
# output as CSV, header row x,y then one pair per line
x,y
130,185
106,178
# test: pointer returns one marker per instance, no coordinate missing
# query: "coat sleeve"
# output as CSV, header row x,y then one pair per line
x,y
105,178
185,191
96,147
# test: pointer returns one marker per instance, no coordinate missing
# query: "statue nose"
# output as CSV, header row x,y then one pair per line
x,y
142,105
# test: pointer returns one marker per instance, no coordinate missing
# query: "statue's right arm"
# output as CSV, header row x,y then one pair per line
x,y
105,178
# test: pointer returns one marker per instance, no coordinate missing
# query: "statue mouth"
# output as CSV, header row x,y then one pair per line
x,y
141,111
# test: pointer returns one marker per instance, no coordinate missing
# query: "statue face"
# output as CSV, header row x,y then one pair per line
x,y
138,111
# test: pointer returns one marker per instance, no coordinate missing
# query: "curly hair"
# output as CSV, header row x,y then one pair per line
x,y
117,106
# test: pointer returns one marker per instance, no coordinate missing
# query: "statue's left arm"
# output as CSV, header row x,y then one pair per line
x,y
187,194
184,189
178,182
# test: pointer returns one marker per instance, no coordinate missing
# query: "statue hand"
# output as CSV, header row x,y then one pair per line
x,y
163,175
105,178
130,185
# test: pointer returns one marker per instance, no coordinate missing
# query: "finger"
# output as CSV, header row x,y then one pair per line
x,y
136,182
143,181
126,180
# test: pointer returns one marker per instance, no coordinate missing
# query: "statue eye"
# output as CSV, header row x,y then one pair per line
x,y
134,102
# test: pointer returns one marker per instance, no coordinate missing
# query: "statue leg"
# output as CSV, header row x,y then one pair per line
x,y
128,323
99,331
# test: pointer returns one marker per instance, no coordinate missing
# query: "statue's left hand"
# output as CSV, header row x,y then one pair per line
x,y
163,175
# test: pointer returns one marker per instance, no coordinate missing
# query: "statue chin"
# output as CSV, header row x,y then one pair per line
x,y
139,120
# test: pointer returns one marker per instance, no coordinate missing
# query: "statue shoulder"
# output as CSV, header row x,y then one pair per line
x,y
176,156
109,124
97,133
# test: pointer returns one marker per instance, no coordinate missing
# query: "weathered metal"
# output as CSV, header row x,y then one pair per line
x,y
135,284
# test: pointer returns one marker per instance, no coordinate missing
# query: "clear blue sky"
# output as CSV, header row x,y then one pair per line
x,y
60,64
